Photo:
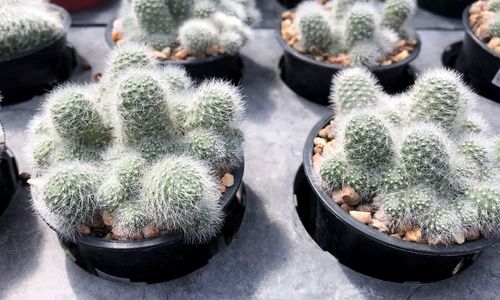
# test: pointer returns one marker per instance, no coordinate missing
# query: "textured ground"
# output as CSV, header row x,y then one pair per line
x,y
272,256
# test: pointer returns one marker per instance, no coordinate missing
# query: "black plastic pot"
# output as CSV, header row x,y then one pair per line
x,y
289,3
312,79
367,250
159,259
447,8
34,72
8,178
227,67
479,64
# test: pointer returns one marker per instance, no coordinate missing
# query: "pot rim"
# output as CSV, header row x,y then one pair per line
x,y
413,55
468,30
373,234
199,61
168,238
66,18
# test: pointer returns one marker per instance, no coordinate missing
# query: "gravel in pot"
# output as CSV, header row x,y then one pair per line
x,y
405,192
478,56
319,40
34,54
139,174
204,37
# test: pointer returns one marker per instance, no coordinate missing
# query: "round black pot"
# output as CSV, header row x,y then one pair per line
x,y
8,178
312,79
34,72
447,8
227,67
367,250
159,259
479,64
289,3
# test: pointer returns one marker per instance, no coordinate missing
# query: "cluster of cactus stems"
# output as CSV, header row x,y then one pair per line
x,y
145,145
435,167
365,29
27,25
198,26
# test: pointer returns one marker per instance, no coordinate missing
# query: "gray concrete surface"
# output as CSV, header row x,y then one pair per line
x,y
272,256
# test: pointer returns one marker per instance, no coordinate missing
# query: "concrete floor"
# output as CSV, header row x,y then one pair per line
x,y
272,256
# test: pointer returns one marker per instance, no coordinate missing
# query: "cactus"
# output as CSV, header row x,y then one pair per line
x,y
441,225
486,200
197,36
199,27
394,179
315,30
70,192
27,27
403,207
75,117
367,141
216,105
127,57
352,89
142,97
179,192
353,28
360,26
425,156
158,139
440,96
333,172
396,12
494,5
495,26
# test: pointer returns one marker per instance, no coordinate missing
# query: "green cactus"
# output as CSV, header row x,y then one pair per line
x,y
127,57
69,192
342,7
142,107
216,105
153,16
180,9
495,26
129,220
76,117
203,9
368,141
333,172
112,194
364,55
43,152
26,27
315,30
206,145
231,42
197,36
494,5
439,96
425,157
180,192
353,89
440,225
360,26
487,202
395,208
394,179
396,12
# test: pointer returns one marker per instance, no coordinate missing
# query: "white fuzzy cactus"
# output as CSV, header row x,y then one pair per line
x,y
135,152
424,153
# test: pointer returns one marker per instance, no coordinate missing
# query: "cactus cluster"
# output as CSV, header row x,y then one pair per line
x,y
146,150
198,27
435,169
365,29
27,26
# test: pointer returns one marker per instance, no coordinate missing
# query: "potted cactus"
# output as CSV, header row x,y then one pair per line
x,y
203,36
478,56
402,188
139,174
8,173
321,38
446,8
78,6
34,54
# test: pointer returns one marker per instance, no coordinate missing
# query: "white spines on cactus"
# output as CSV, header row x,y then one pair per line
x,y
353,89
152,127
495,25
396,12
199,27
26,27
494,5
314,26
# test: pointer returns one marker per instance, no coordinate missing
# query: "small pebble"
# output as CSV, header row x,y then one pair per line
x,y
363,217
106,218
473,236
320,141
337,198
380,226
222,188
151,232
323,133
396,235
350,196
345,207
414,235
84,229
228,180
459,239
